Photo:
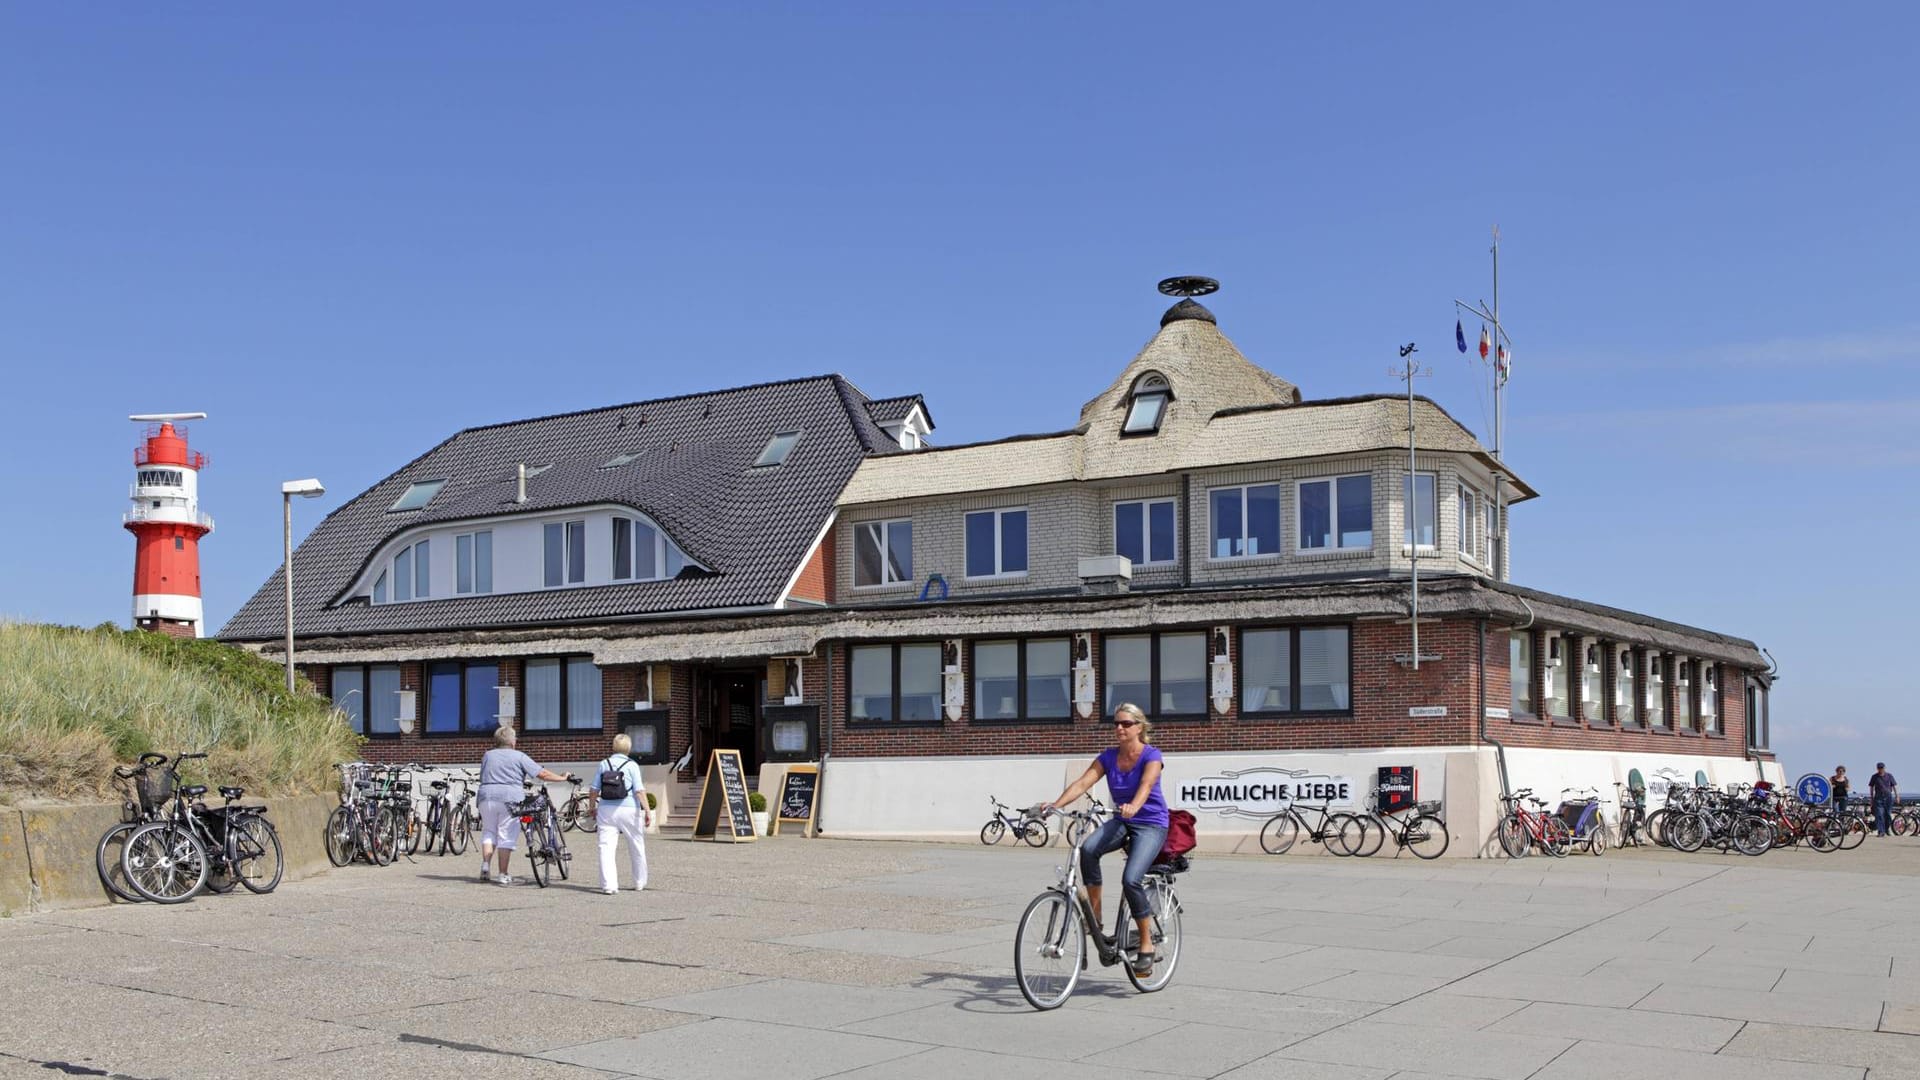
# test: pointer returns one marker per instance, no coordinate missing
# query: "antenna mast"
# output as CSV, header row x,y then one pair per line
x,y
1502,355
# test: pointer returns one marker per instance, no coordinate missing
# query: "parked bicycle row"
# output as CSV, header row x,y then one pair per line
x,y
1750,819
170,846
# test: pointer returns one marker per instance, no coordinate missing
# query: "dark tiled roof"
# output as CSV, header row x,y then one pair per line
x,y
895,409
751,527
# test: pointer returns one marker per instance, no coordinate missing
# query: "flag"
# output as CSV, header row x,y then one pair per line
x,y
1484,341
1503,364
1459,335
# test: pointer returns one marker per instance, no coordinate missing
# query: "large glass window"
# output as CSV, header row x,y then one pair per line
x,y
443,697
1164,674
1266,671
883,552
1295,669
1468,520
1245,521
380,588
383,699
1656,696
462,697
1336,513
1593,684
1520,671
350,696
1686,706
1423,511
996,680
403,575
564,551
1144,532
996,543
894,682
1626,711
473,562
641,552
1326,669
482,712
1028,679
1556,677
1710,697
562,692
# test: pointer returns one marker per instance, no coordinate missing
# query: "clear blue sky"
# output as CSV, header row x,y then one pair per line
x,y
349,232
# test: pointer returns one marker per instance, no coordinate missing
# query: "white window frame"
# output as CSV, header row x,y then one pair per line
x,y
1710,697
998,574
887,580
1281,525
473,560
1410,500
1146,527
1597,670
665,552
566,565
1467,505
1333,513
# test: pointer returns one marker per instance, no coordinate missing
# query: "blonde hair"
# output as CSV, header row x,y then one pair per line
x,y
623,743
1146,725
504,735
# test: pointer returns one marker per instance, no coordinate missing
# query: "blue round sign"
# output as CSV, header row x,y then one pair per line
x,y
1813,789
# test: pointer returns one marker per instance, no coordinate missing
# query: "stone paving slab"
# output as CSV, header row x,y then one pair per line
x,y
1626,1027
1376,1044
1198,1050
1604,1061
728,1049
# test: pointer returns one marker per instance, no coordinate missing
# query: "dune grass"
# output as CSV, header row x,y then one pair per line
x,y
74,703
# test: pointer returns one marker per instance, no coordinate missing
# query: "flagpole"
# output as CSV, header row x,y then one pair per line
x,y
1501,344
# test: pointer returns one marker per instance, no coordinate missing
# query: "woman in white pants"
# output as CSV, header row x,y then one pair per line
x,y
625,818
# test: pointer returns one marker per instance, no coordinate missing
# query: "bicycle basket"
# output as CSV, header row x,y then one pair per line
x,y
154,787
1431,806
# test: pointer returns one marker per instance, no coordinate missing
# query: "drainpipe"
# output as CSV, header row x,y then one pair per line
x,y
826,754
1186,529
1499,749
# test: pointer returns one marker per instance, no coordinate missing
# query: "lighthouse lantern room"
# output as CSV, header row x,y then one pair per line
x,y
167,524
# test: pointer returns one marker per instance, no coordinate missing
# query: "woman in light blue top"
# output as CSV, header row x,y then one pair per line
x,y
504,772
625,818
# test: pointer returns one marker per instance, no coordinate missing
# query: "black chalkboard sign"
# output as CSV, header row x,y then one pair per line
x,y
723,800
1398,790
799,797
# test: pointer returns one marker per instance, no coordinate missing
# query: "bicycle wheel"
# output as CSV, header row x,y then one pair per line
x,y
1048,949
1686,832
164,862
435,828
1597,840
1427,837
1036,834
558,852
1752,836
537,854
1656,826
257,851
992,831
385,838
412,831
459,832
1165,925
590,815
1513,837
1279,833
1350,834
1373,835
106,860
339,837
1855,833
1556,837
1077,830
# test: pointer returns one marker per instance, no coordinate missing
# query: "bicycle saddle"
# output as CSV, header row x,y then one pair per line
x,y
232,792
193,792
362,785
438,785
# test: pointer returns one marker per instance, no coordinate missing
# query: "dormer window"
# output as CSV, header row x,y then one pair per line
x,y
642,552
1148,405
417,495
777,449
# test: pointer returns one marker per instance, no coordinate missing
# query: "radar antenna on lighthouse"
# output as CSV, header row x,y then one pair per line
x,y
167,524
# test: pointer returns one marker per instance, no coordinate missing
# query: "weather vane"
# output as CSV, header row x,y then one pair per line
x,y
1189,286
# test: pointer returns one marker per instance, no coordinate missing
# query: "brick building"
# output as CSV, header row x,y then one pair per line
x,y
792,571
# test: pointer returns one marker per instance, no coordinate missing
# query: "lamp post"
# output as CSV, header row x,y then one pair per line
x,y
306,489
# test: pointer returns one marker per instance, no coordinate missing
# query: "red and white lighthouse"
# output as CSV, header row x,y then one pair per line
x,y
167,525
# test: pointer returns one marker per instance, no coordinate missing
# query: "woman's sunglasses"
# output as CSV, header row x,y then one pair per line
x,y
1125,723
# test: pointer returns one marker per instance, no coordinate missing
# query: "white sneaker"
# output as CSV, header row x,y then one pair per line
x,y
608,892
485,874
503,879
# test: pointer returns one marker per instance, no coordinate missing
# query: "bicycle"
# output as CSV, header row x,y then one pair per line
x,y
438,817
1050,944
1633,814
463,817
1422,832
361,825
1521,829
192,847
150,790
1028,826
1340,833
582,808
1721,820
546,847
1084,822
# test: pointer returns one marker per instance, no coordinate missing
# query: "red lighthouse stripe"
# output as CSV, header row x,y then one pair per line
x,y
166,560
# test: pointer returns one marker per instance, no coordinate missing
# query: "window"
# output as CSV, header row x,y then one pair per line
x,y
777,449
383,699
422,578
1027,679
462,697
1423,514
473,562
1493,526
1143,531
1520,671
997,543
1710,698
1556,677
1593,685
1164,674
409,565
380,588
350,696
1468,519
1625,670
1297,669
161,478
1148,405
883,552
1336,513
417,495
565,545
1686,706
618,460
642,552
894,683
1759,719
563,693
1656,691
1246,521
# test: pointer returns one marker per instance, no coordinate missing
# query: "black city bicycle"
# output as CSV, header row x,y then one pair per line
x,y
463,817
1633,814
193,847
544,840
1418,829
362,825
1338,831
1030,825
150,785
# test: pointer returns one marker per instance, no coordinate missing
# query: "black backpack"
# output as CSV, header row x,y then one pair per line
x,y
613,782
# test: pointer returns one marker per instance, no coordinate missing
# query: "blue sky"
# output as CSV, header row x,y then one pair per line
x,y
348,233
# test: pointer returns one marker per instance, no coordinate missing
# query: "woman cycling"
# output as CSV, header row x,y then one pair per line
x,y
1132,769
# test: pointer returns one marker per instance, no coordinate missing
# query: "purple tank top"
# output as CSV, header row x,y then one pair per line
x,y
1124,785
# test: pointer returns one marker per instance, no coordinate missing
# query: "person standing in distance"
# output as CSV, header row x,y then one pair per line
x,y
1839,782
623,813
503,775
1885,789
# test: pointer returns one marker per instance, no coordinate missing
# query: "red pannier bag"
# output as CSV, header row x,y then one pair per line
x,y
1180,838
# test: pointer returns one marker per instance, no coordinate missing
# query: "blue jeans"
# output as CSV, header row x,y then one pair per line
x,y
1143,844
1882,813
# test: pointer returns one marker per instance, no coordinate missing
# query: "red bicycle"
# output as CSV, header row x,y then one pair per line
x,y
1523,829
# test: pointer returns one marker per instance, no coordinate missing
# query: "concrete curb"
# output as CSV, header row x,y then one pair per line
x,y
46,853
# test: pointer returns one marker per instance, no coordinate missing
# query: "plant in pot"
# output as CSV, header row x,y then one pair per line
x,y
757,805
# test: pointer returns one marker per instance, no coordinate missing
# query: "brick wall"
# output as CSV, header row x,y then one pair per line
x,y
816,580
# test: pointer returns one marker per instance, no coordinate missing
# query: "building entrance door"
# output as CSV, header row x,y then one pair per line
x,y
730,717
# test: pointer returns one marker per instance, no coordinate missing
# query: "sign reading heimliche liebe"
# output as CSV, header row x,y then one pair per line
x,y
1265,791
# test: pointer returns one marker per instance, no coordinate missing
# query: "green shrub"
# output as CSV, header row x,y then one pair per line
x,y
652,802
74,703
756,802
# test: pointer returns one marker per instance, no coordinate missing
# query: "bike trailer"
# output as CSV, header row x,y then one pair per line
x,y
1580,815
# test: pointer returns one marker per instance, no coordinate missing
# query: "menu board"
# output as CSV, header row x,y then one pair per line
x,y
799,797
723,801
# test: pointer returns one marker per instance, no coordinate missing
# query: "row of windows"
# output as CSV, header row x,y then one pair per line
x,y
1281,671
1335,513
561,694
1575,674
641,552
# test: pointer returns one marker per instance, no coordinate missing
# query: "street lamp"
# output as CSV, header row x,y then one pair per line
x,y
306,489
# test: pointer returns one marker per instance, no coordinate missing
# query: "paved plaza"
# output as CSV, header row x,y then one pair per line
x,y
799,959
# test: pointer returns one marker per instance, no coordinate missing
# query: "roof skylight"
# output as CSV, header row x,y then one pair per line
x,y
418,494
777,449
618,460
